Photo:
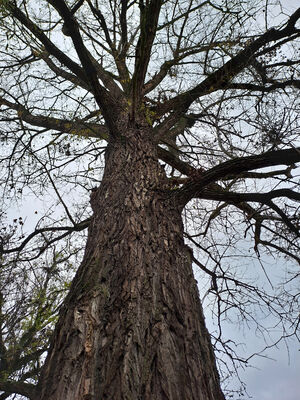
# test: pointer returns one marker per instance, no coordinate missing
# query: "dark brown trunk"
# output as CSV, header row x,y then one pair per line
x,y
132,325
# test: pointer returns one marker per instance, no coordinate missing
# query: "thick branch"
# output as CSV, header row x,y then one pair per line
x,y
264,88
44,55
234,197
74,127
103,98
175,162
123,24
234,168
168,64
88,73
222,77
264,175
102,74
148,25
49,46
22,388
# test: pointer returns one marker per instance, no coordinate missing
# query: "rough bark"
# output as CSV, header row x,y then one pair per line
x,y
132,326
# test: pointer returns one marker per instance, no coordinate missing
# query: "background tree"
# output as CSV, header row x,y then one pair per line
x,y
158,113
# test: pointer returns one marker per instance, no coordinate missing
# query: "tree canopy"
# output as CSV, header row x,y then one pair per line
x,y
218,83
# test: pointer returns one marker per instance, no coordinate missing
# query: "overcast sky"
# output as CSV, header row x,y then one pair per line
x,y
277,379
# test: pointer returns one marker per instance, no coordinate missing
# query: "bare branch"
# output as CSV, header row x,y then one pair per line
x,y
22,388
148,24
235,167
102,96
74,127
66,229
264,88
221,78
49,46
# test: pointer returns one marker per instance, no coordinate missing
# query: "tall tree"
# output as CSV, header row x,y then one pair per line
x,y
191,106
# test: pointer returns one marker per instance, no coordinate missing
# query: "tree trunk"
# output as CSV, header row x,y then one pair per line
x,y
132,326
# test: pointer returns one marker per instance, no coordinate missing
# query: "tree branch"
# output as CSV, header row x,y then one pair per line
x,y
264,88
67,229
49,46
280,249
103,98
264,198
234,168
107,80
74,127
45,56
234,197
148,24
119,58
175,162
22,388
223,76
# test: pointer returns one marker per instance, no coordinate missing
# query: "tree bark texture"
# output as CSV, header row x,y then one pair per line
x,y
132,326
